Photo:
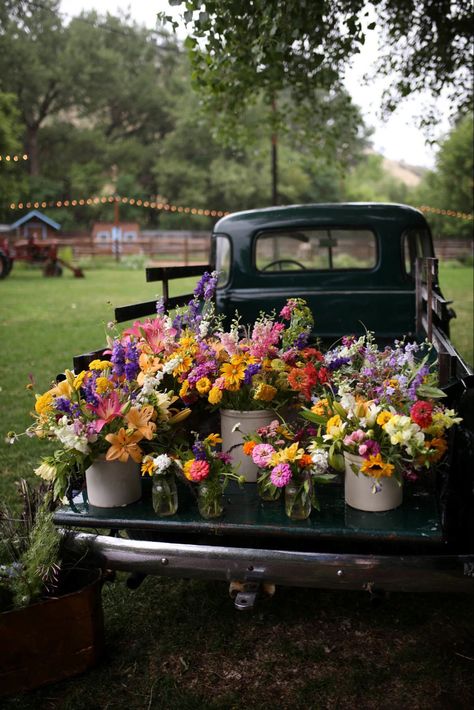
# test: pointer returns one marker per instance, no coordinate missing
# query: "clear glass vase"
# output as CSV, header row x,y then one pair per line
x,y
164,494
266,490
210,499
298,499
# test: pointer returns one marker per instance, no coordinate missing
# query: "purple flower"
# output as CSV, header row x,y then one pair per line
x,y
369,448
281,475
337,363
89,389
160,307
199,451
302,340
118,358
132,367
206,285
63,404
250,371
261,454
224,457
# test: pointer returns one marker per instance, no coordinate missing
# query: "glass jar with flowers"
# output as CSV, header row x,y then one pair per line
x,y
164,493
210,470
385,424
104,420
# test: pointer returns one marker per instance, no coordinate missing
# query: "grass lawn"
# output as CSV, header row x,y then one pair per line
x,y
180,644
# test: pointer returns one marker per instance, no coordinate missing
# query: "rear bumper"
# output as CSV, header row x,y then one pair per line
x,y
409,573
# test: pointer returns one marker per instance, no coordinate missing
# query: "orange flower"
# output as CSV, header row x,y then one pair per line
x,y
123,445
139,419
375,467
305,461
249,447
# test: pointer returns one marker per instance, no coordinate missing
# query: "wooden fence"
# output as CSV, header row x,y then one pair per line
x,y
182,247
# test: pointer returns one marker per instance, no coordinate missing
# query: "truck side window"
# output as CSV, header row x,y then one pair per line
x,y
416,243
316,249
221,257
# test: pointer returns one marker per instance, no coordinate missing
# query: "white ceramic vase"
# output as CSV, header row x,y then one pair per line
x,y
112,484
232,437
358,489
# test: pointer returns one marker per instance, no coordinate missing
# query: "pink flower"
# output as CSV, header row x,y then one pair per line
x,y
262,454
109,408
355,438
369,448
281,475
199,470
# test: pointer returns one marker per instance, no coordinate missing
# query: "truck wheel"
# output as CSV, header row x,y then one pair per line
x,y
5,265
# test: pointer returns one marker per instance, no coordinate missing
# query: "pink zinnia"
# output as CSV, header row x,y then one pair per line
x,y
199,470
281,475
262,454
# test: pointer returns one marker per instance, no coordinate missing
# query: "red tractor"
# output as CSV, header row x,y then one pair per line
x,y
34,251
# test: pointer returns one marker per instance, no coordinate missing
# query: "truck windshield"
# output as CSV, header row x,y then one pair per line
x,y
316,249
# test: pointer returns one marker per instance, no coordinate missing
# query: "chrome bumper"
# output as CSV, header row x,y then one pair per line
x,y
409,573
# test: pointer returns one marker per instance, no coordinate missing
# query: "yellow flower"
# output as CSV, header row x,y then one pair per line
x,y
124,444
187,468
62,389
184,389
213,439
214,396
375,467
139,419
233,375
184,365
102,384
203,385
265,393
287,455
44,402
179,416
334,427
100,364
78,380
384,417
320,407
147,466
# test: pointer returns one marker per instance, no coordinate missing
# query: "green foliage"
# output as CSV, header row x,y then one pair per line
x,y
449,186
12,177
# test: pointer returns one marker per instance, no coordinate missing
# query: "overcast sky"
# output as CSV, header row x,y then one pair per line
x,y
397,139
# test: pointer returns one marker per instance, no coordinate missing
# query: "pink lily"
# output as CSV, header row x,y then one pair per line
x,y
109,408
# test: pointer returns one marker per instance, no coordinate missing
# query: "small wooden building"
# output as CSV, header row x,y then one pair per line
x,y
107,232
35,225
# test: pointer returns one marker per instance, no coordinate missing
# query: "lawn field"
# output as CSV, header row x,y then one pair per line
x,y
180,644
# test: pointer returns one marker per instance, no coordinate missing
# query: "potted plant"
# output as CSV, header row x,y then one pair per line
x,y
51,621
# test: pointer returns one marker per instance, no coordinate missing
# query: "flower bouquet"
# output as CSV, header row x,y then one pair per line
x,y
100,416
211,470
382,418
288,466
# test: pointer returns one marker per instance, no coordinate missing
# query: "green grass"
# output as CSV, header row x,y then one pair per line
x,y
180,644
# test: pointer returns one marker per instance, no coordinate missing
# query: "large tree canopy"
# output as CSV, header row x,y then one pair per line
x,y
240,48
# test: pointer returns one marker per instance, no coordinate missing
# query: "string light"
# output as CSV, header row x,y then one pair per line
x,y
180,209
13,158
95,200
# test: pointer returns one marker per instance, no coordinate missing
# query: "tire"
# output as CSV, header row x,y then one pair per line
x,y
5,265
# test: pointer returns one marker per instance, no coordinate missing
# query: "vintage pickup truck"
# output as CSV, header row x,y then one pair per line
x,y
359,266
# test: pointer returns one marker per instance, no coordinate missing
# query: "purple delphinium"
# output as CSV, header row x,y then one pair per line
x,y
118,358
250,371
302,340
132,368
199,451
417,381
337,363
206,286
224,457
89,390
63,404
160,307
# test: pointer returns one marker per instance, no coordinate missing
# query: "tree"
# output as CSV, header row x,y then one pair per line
x,y
449,186
240,48
33,68
11,173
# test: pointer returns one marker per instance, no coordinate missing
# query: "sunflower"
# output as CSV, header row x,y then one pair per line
x,y
375,467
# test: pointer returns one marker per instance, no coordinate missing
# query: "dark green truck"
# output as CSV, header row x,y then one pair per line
x,y
359,266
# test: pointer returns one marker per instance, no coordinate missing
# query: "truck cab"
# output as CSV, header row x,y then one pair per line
x,y
354,264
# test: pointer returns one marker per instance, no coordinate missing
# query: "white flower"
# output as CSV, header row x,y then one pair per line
x,y
171,365
46,471
320,460
162,462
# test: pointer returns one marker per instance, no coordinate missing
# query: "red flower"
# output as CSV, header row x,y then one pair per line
x,y
421,413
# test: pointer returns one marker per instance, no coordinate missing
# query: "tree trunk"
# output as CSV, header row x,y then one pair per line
x,y
32,150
